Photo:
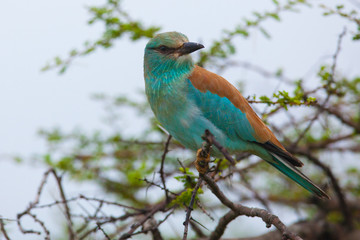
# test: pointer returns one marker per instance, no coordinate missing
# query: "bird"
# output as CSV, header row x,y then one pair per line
x,y
187,100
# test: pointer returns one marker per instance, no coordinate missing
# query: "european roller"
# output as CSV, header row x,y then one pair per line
x,y
187,99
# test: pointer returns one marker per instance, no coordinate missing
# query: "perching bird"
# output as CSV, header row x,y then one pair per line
x,y
187,100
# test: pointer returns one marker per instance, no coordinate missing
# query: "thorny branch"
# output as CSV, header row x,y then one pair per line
x,y
66,206
331,80
166,150
237,209
31,206
3,230
99,221
190,208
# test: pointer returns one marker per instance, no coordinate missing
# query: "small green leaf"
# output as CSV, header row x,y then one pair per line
x,y
58,61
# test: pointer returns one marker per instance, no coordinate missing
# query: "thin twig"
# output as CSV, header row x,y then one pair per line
x,y
197,229
157,185
32,205
66,206
190,208
3,230
166,150
209,137
154,210
102,230
335,56
42,224
331,80
259,70
155,229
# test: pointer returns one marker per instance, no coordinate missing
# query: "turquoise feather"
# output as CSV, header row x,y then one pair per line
x,y
295,175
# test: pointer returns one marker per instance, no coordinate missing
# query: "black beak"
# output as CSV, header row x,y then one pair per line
x,y
189,47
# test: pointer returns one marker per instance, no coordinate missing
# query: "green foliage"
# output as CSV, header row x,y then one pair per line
x,y
225,46
188,178
335,217
52,136
284,99
185,197
18,159
351,15
117,24
221,164
353,180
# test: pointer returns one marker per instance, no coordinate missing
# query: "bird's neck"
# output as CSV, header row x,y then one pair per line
x,y
165,85
167,70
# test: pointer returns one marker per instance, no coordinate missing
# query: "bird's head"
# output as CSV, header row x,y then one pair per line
x,y
169,51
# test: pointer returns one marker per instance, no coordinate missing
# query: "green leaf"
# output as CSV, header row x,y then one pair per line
x,y
58,61
264,32
274,16
63,69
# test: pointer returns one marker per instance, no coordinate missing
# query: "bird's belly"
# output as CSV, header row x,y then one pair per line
x,y
186,124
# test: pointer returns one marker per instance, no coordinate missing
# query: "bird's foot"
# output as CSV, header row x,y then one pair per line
x,y
202,161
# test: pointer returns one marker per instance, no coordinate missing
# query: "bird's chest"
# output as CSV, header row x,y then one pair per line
x,y
171,105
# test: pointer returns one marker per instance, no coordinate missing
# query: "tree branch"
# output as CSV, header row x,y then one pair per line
x,y
3,230
166,150
237,209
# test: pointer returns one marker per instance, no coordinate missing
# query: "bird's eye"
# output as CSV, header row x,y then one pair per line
x,y
163,48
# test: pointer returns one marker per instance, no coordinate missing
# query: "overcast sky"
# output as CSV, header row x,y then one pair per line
x,y
33,32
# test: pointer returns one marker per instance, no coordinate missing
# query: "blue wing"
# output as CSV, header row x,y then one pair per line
x,y
221,112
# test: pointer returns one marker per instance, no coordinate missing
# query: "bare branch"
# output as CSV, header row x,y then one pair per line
x,y
102,230
31,205
239,209
155,209
166,150
3,230
190,208
66,206
223,222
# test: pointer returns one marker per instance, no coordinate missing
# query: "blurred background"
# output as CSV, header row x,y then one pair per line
x,y
34,33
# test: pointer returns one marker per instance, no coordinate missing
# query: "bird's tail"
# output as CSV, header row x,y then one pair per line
x,y
297,176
